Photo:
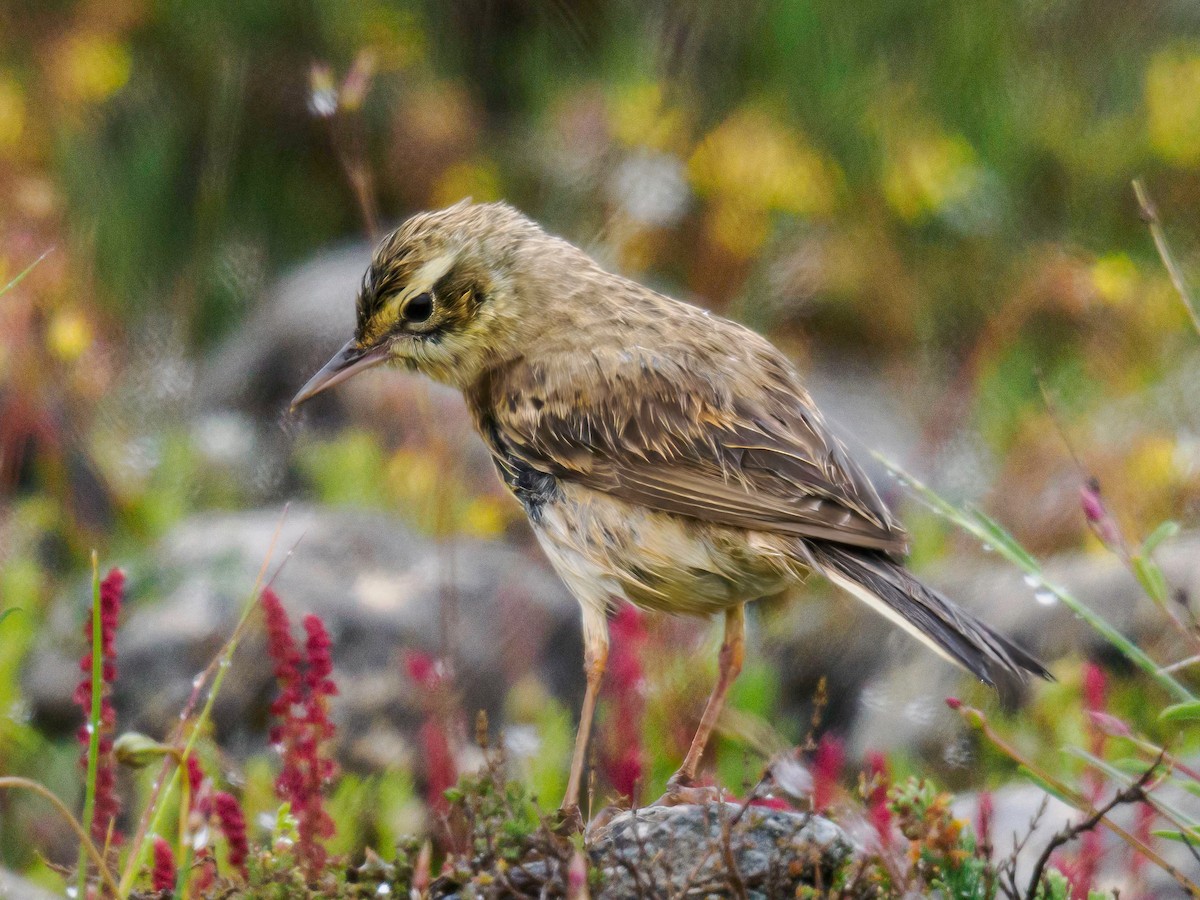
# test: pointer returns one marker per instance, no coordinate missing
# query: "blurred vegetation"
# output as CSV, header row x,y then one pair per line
x,y
934,194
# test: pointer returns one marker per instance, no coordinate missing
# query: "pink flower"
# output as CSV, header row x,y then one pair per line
x,y
163,875
1097,514
986,814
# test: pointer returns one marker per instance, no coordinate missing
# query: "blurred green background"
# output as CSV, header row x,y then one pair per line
x,y
929,200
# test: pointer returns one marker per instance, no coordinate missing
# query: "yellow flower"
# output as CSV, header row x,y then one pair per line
x,y
639,117
12,113
485,516
765,165
750,166
1114,277
69,334
1173,105
91,67
1153,465
738,228
477,179
927,174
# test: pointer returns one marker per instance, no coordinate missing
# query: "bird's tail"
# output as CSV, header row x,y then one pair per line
x,y
890,589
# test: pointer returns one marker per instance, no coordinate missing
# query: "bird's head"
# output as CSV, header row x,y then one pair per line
x,y
440,297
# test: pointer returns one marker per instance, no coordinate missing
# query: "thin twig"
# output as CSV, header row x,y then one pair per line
x,y
733,874
1134,793
1182,664
13,781
1149,213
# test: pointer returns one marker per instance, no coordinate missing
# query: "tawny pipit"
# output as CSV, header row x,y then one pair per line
x,y
665,456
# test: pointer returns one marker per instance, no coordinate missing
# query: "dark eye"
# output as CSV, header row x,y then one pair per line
x,y
419,308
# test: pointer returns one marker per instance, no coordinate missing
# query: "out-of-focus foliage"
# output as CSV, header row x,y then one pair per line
x,y
936,194
939,195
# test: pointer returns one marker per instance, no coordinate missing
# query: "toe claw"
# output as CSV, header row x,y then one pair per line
x,y
682,790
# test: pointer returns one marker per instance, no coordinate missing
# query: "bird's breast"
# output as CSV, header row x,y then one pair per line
x,y
606,549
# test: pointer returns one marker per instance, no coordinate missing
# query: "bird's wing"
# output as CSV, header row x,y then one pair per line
x,y
732,440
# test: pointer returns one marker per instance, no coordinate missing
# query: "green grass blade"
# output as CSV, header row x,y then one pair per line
x,y
1181,712
93,757
992,533
21,275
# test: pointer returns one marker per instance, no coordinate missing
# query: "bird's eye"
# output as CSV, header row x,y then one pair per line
x,y
419,308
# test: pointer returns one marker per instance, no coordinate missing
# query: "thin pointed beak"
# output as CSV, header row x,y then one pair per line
x,y
350,360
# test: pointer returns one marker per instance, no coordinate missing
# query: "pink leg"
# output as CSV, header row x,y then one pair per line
x,y
595,646
733,654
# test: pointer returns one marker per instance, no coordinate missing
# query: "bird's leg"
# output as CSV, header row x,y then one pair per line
x,y
733,654
595,655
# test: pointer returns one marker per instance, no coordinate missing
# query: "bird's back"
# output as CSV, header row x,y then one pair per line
x,y
663,404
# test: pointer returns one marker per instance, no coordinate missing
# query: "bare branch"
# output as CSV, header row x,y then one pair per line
x,y
1149,213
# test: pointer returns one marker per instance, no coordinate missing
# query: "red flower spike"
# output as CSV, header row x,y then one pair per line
x,y
163,875
622,757
205,872
320,660
301,724
826,769
422,668
878,812
232,822
1095,687
441,767
107,805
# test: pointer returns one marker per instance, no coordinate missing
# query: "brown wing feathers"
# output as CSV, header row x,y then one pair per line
x,y
653,432
643,427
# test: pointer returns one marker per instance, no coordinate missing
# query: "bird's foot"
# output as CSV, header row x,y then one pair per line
x,y
682,790
601,819
567,821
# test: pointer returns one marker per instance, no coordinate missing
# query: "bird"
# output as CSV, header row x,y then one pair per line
x,y
665,456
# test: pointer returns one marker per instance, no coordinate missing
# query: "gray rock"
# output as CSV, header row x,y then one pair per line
x,y
701,851
297,326
381,589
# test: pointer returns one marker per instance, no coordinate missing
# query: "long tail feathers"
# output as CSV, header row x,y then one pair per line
x,y
890,589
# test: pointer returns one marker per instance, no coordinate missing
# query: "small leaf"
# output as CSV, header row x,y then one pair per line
x,y
5,613
1151,578
1181,712
1192,837
1163,532
1131,765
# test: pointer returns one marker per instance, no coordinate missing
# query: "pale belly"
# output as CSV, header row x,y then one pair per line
x,y
605,550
